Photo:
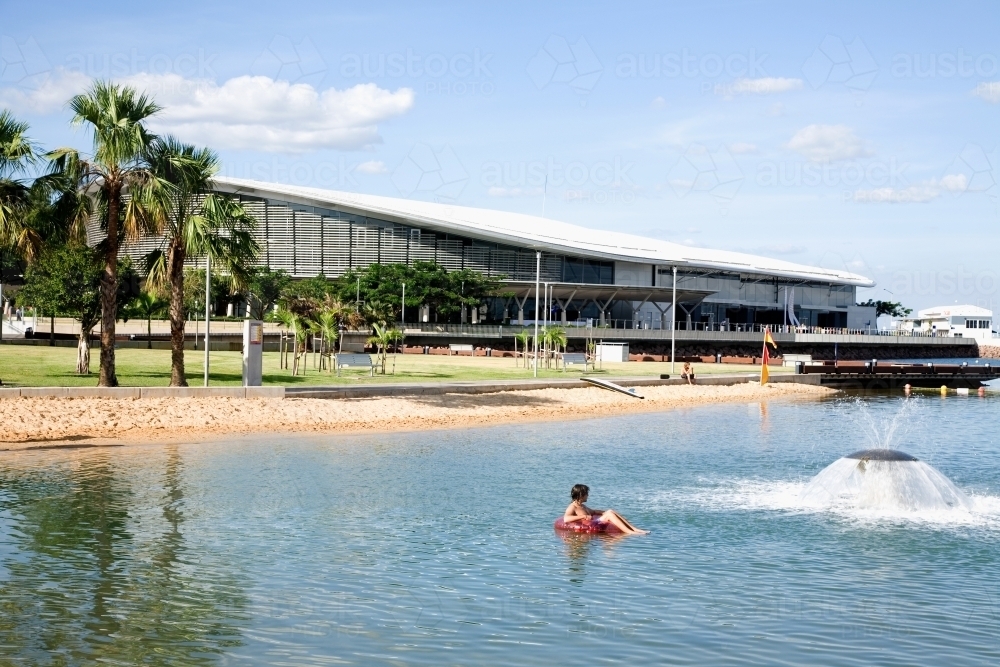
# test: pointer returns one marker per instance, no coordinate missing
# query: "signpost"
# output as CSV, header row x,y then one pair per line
x,y
253,346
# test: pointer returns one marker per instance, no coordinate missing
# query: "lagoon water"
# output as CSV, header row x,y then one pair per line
x,y
437,548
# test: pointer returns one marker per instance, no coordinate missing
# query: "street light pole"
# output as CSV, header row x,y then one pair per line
x,y
208,307
673,321
538,273
402,314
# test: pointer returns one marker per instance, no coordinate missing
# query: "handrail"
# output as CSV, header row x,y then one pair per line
x,y
579,327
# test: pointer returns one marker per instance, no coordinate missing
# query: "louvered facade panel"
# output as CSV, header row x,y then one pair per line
x,y
478,258
336,246
308,244
423,248
364,244
258,209
551,268
449,254
504,262
395,242
281,238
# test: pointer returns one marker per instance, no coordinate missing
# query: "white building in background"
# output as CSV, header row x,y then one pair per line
x,y
955,321
595,274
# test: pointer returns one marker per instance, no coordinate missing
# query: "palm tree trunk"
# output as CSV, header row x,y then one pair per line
x,y
83,353
295,349
109,292
175,273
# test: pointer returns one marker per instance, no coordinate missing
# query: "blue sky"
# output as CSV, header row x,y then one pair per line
x,y
854,136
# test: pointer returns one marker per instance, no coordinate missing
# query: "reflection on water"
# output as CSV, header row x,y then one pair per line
x,y
91,573
438,548
578,547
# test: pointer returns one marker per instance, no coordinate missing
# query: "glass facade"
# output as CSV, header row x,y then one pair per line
x,y
308,240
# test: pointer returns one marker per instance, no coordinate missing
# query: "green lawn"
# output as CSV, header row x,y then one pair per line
x,y
24,365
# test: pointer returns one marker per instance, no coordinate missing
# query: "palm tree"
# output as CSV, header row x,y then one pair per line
x,y
328,326
196,222
555,339
49,212
396,338
383,338
17,153
147,306
126,189
376,312
524,338
286,320
299,314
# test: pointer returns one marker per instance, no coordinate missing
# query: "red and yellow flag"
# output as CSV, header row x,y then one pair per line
x,y
765,357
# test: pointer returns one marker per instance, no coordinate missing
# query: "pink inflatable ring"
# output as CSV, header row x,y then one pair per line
x,y
587,526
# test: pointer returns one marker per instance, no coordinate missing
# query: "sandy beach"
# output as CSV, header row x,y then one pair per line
x,y
44,422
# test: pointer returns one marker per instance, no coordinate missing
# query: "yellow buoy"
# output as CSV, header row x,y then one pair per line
x,y
944,390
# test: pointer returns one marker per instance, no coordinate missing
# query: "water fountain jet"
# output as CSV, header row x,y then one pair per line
x,y
886,480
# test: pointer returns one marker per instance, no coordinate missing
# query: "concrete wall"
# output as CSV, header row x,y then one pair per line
x,y
142,392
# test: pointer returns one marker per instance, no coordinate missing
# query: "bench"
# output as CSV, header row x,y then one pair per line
x,y
460,348
575,358
350,360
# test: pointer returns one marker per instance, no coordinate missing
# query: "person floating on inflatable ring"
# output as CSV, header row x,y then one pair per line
x,y
580,517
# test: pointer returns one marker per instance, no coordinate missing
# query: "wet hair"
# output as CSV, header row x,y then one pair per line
x,y
579,492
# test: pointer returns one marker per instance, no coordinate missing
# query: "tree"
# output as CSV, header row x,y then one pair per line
x,y
196,222
17,154
554,339
329,330
383,338
115,116
316,288
891,308
147,306
51,210
264,288
194,291
67,281
427,284
524,338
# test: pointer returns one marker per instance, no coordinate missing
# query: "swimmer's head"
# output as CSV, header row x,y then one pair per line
x,y
580,492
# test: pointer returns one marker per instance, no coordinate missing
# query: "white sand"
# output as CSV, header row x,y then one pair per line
x,y
34,422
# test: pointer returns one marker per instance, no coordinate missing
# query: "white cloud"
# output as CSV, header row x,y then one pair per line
x,y
920,193
514,192
257,112
828,143
254,112
45,93
372,167
989,91
767,85
742,148
659,103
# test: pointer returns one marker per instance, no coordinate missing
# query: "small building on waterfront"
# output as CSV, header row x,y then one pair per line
x,y
955,321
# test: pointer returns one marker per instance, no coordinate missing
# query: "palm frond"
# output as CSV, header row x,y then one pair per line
x,y
154,265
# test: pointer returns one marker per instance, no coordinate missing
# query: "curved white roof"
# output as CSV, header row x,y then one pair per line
x,y
539,233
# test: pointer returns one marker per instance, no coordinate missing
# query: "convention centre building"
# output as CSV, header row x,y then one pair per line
x,y
604,276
